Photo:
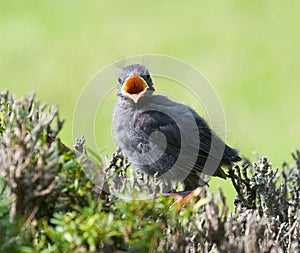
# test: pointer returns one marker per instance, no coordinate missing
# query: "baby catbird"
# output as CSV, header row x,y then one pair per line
x,y
164,137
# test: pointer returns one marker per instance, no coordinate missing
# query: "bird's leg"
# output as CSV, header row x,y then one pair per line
x,y
184,197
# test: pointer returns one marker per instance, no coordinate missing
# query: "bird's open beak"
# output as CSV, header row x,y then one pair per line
x,y
134,87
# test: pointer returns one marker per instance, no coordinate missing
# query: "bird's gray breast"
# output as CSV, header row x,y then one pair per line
x,y
137,133
153,134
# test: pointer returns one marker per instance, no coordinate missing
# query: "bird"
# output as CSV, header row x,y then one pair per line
x,y
165,138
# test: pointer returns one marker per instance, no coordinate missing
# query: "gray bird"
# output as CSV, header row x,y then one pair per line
x,y
162,137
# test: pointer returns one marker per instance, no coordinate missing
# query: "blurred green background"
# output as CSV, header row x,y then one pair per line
x,y
248,50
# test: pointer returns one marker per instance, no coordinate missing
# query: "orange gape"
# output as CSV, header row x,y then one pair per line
x,y
134,85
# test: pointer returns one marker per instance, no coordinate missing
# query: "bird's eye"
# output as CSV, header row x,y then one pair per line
x,y
119,80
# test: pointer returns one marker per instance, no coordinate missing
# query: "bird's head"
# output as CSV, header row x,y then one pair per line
x,y
134,82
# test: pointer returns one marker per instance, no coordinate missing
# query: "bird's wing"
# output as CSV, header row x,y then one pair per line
x,y
213,145
199,136
151,121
